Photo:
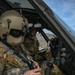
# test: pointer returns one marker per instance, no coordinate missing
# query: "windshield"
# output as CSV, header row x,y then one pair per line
x,y
65,10
20,4
41,40
67,27
49,34
61,8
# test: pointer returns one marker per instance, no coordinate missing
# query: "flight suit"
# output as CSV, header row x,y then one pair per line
x,y
33,48
10,64
56,71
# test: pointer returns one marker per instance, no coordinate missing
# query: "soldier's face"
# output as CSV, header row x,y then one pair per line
x,y
33,33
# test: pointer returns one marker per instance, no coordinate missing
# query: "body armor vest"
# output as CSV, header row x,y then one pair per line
x,y
13,69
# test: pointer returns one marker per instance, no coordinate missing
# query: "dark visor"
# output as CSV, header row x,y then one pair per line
x,y
16,33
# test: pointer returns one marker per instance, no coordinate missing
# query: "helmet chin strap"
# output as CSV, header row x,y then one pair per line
x,y
14,41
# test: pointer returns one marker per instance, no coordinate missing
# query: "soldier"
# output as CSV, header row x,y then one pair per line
x,y
32,45
12,29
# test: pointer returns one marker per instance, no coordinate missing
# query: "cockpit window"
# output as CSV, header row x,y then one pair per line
x,y
67,27
20,4
42,41
49,34
63,10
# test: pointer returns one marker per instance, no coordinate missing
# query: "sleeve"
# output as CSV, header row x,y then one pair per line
x,y
13,61
29,45
2,59
48,54
56,71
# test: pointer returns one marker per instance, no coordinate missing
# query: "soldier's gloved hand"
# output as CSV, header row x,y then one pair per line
x,y
35,64
33,72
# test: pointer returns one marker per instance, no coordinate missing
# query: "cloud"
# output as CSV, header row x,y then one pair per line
x,y
65,9
69,7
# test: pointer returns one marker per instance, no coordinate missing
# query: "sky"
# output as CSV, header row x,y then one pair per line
x,y
65,9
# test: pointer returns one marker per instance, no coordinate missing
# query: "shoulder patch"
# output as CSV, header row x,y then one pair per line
x,y
2,51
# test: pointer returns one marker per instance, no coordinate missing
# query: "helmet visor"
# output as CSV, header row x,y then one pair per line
x,y
16,33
